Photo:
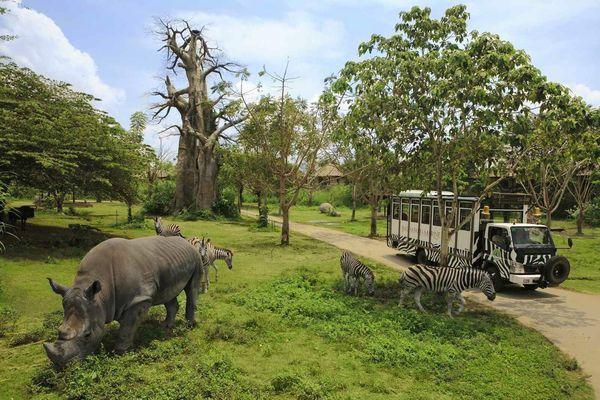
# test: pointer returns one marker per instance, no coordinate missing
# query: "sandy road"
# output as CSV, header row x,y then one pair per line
x,y
568,319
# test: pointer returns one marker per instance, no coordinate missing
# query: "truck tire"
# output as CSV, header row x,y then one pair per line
x,y
421,257
557,270
495,275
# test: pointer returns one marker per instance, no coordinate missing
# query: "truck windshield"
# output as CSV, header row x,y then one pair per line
x,y
531,235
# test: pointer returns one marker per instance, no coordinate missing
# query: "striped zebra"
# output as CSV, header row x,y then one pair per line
x,y
353,270
218,253
200,245
170,230
451,281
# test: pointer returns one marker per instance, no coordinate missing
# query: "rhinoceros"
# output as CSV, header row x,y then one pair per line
x,y
118,280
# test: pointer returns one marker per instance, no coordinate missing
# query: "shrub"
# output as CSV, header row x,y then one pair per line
x,y
226,208
195,215
592,212
226,204
159,201
8,318
263,217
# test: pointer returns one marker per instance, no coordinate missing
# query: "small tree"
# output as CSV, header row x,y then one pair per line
x,y
287,135
555,147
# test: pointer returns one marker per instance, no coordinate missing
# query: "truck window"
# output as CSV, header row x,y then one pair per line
x,y
436,217
414,216
396,210
404,211
499,236
425,214
464,213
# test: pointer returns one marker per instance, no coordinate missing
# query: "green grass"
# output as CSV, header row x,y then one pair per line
x,y
584,256
276,326
311,215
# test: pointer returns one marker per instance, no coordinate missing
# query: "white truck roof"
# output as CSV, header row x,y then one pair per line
x,y
432,195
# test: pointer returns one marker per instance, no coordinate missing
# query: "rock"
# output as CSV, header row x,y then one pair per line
x,y
325,208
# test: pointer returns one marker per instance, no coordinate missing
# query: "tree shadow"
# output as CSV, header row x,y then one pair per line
x,y
45,243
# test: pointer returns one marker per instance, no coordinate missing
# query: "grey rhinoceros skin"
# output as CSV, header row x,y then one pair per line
x,y
119,280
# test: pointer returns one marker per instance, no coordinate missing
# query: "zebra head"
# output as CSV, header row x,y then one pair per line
x,y
487,286
203,249
229,259
157,224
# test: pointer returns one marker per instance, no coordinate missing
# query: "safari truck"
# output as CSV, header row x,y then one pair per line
x,y
497,238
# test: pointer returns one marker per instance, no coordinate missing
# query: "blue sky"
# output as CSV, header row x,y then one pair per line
x,y
107,48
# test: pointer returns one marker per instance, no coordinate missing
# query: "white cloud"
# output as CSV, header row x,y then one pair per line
x,y
261,40
589,95
42,46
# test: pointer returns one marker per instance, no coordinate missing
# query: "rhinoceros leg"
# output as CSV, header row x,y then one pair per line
x,y
129,323
172,308
191,294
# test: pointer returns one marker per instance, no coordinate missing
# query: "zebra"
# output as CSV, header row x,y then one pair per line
x,y
451,281
200,245
170,230
218,253
353,270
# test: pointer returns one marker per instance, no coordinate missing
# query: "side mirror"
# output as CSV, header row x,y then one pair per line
x,y
570,242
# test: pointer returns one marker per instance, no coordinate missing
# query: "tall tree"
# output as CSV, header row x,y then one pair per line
x,y
207,107
53,138
448,99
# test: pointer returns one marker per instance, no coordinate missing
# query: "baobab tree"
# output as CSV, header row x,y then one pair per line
x,y
208,108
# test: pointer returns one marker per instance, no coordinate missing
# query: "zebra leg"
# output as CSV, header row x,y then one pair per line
x,y
450,300
418,293
462,304
216,273
172,307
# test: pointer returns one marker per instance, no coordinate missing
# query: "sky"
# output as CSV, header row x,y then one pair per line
x,y
108,47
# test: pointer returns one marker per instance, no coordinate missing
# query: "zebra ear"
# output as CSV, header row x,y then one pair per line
x,y
208,240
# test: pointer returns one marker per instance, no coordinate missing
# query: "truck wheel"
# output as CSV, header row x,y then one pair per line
x,y
496,278
421,257
531,286
557,270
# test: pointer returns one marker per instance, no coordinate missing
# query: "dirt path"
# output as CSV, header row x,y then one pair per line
x,y
568,319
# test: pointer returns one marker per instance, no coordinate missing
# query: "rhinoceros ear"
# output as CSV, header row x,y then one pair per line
x,y
57,287
91,291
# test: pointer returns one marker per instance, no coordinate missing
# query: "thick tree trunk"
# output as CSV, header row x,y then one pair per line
x,y
258,196
185,179
373,220
129,213
580,218
549,219
207,170
285,226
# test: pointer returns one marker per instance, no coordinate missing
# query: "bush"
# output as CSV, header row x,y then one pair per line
x,y
159,201
263,217
592,212
8,318
195,215
226,205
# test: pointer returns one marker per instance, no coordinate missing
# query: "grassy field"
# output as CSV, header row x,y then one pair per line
x,y
276,326
311,215
584,256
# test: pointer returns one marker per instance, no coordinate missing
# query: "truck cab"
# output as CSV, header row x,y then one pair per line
x,y
522,253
